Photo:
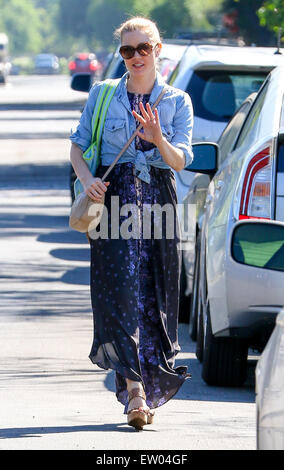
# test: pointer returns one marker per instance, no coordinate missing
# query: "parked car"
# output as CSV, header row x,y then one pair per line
x,y
270,390
191,220
5,64
234,311
218,79
46,64
258,248
85,62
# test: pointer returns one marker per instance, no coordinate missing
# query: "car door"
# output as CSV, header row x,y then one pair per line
x,y
196,197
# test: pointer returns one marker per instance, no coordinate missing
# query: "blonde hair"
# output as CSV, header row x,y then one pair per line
x,y
139,24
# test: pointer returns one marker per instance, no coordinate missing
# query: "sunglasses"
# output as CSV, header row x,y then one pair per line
x,y
143,49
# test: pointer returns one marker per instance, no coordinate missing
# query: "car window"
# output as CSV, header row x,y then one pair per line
x,y
217,94
252,123
229,135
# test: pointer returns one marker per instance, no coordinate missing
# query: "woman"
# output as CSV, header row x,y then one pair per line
x,y
135,280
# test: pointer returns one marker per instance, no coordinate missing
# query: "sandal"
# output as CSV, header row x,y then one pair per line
x,y
138,417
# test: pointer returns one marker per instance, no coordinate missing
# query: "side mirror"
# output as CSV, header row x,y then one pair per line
x,y
259,244
204,158
81,82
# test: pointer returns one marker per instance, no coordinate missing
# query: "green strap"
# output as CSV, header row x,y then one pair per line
x,y
102,103
103,112
101,108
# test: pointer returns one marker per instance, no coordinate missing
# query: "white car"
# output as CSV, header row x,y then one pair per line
x,y
237,307
218,80
258,246
5,65
270,390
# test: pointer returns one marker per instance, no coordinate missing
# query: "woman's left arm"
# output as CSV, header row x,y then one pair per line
x,y
177,154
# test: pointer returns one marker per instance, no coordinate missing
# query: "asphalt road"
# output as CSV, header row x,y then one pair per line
x,y
51,395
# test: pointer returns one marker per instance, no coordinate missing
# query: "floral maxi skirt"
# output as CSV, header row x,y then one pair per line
x,y
135,288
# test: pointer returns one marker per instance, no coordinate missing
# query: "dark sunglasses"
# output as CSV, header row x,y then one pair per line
x,y
143,49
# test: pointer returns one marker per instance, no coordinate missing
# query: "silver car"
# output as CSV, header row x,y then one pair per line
x,y
218,78
258,246
270,390
236,308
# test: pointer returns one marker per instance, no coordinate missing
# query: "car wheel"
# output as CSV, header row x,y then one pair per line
x,y
224,359
184,300
194,299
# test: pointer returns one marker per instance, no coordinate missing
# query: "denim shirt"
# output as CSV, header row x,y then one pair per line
x,y
176,120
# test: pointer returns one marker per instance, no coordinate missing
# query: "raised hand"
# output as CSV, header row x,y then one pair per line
x,y
151,124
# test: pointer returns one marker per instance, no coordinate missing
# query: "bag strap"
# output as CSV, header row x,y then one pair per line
x,y
112,85
132,137
104,98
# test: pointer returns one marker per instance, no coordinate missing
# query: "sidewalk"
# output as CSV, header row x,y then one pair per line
x,y
29,92
52,396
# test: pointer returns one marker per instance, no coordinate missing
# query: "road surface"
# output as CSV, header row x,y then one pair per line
x,y
52,396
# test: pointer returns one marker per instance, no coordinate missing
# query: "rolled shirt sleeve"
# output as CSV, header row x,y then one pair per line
x,y
183,125
83,134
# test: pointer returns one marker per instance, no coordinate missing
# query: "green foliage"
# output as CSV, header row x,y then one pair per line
x,y
22,23
25,64
247,21
271,14
67,26
172,16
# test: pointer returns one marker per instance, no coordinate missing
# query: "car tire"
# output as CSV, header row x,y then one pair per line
x,y
224,359
184,300
194,299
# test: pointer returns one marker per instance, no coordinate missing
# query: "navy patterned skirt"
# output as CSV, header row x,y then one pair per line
x,y
135,289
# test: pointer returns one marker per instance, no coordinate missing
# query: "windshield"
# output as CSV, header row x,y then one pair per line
x,y
217,94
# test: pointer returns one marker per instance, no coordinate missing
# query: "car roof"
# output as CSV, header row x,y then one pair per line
x,y
172,51
211,56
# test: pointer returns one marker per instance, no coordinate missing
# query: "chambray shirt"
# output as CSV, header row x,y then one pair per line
x,y
176,120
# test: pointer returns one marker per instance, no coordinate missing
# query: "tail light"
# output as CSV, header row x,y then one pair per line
x,y
72,65
93,65
257,187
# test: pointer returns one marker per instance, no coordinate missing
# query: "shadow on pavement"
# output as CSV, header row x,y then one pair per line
x,y
27,221
71,254
12,433
79,276
66,236
45,303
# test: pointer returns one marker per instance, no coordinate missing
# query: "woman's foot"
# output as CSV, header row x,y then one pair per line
x,y
137,411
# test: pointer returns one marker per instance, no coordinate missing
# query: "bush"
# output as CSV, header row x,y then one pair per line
x,y
23,64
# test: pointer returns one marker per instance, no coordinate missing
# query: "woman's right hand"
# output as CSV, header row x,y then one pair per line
x,y
95,188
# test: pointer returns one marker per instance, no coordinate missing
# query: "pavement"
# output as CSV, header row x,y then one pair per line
x,y
57,95
52,396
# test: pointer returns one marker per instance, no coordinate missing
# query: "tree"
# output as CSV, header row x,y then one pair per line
x,y
21,21
271,14
171,16
72,17
240,16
